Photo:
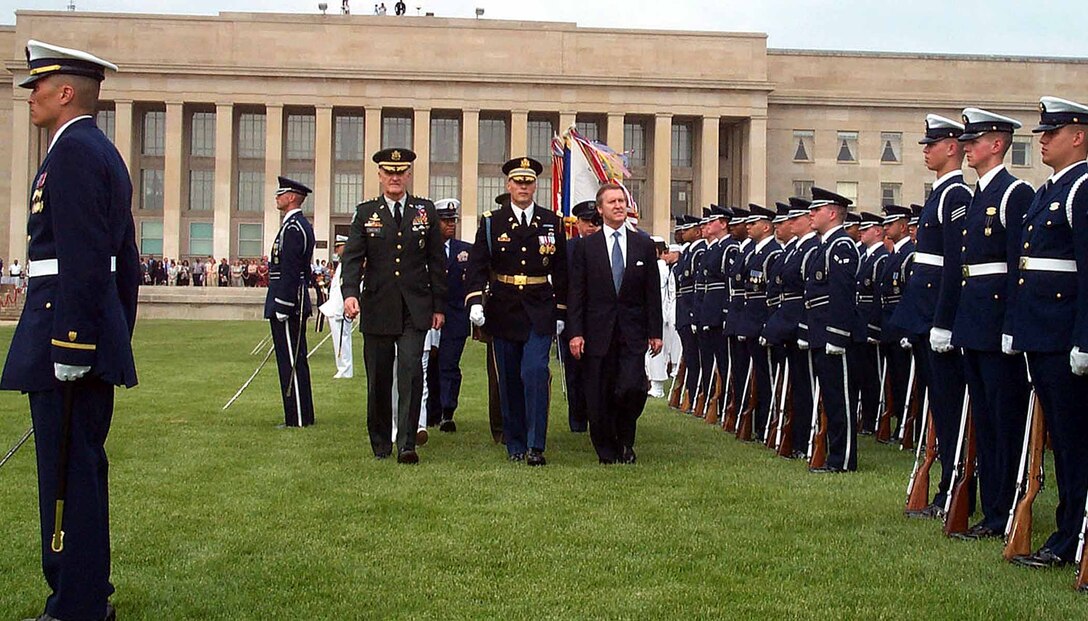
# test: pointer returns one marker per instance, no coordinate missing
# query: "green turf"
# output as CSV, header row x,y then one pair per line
x,y
218,515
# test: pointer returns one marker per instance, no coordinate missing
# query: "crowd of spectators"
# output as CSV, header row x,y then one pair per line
x,y
204,273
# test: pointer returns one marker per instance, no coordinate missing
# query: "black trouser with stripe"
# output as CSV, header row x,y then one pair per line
x,y
842,433
289,338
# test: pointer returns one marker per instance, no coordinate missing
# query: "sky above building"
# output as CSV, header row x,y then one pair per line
x,y
999,27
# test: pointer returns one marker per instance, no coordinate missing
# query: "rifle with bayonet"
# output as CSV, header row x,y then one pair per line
x,y
744,425
958,504
677,385
1028,483
918,486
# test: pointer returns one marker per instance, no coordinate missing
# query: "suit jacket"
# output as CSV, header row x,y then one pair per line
x,y
289,272
830,295
398,267
80,215
456,326
598,312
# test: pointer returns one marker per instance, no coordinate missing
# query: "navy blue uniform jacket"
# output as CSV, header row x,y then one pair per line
x,y
830,294
456,326
289,270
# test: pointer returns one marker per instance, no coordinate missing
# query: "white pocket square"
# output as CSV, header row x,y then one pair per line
x,y
638,263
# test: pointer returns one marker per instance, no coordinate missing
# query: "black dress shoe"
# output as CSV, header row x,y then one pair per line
x,y
798,455
382,454
866,432
535,458
517,457
111,615
929,512
978,531
629,456
1042,559
447,426
407,457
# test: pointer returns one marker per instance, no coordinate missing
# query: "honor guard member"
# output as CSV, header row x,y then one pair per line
x,y
1047,315
72,343
700,248
456,329
785,236
830,297
939,234
340,328
996,382
912,224
894,341
520,256
864,357
852,225
587,222
766,251
685,307
709,315
735,255
394,274
287,304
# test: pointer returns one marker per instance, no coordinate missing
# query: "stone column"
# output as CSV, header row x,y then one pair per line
x,y
470,158
122,133
24,165
421,140
661,207
706,189
372,143
273,167
173,171
519,133
566,119
224,180
322,197
614,137
755,161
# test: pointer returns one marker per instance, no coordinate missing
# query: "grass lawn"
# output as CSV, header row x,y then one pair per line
x,y
218,515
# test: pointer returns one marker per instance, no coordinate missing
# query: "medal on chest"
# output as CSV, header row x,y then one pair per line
x,y
990,213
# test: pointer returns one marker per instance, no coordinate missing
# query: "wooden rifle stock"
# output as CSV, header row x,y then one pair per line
x,y
744,426
1030,481
918,488
678,385
774,414
884,420
785,427
955,519
729,419
714,405
819,441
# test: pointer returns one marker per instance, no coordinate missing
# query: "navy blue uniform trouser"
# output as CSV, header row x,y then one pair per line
x,y
449,370
761,375
79,576
897,377
999,399
690,344
524,379
1063,397
801,377
289,339
842,433
741,364
944,376
864,362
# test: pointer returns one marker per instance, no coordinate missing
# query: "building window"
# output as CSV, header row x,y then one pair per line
x,y
446,186
889,193
250,190
847,189
151,237
200,239
349,139
347,192
1021,151
803,187
151,189
202,134
251,136
848,147
540,140
154,137
634,143
201,190
306,178
301,131
445,141
682,147
636,187
544,191
927,189
891,147
803,145
590,130
487,188
493,141
396,131
681,196
723,190
250,243
107,122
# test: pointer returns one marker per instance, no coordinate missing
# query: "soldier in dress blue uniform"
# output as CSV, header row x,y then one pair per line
x,y
735,255
1047,316
939,234
287,304
997,382
852,225
894,341
686,307
864,357
520,256
709,315
455,331
588,221
787,238
766,251
830,297
72,344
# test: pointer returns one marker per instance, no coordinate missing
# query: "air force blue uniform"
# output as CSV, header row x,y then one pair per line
x,y
893,280
759,263
864,359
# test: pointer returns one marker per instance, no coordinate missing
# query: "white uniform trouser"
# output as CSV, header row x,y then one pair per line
x,y
428,343
341,349
671,350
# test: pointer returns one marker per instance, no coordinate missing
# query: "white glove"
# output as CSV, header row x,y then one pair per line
x,y
742,338
834,350
281,317
762,341
560,325
802,344
70,372
870,340
904,343
476,315
1078,360
940,340
1006,345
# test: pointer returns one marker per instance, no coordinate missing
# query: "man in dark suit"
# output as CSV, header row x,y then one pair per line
x,y
455,331
588,222
613,326
72,344
287,304
396,239
520,258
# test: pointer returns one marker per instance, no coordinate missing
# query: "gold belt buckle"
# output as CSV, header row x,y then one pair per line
x,y
966,271
520,279
1023,263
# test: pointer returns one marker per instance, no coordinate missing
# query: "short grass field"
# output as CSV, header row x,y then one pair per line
x,y
219,515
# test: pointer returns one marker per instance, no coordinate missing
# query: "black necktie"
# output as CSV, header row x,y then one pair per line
x,y
396,213
524,220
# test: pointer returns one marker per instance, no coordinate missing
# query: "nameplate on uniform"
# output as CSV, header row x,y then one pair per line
x,y
373,225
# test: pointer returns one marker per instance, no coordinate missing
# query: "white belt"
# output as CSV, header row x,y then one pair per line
x,y
1034,264
926,258
984,269
50,267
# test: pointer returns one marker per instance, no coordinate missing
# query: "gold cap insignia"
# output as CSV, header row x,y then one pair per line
x,y
524,162
395,156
